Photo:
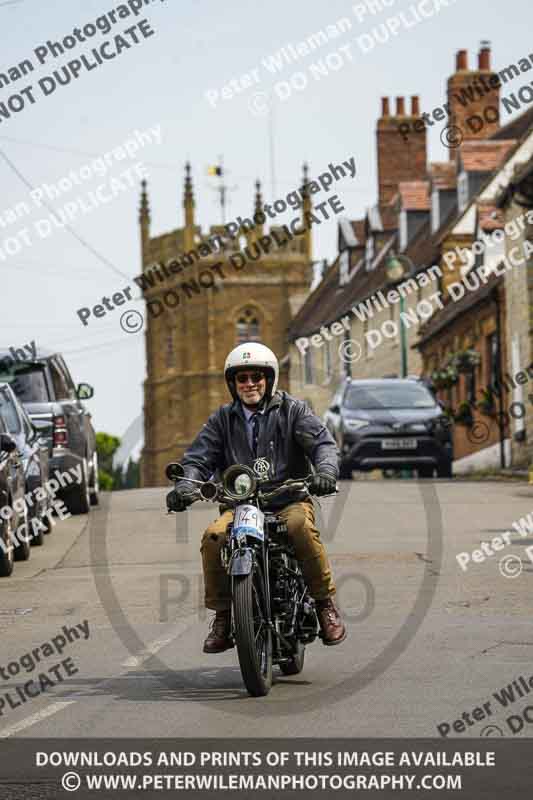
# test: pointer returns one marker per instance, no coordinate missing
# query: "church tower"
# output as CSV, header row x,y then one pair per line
x,y
204,294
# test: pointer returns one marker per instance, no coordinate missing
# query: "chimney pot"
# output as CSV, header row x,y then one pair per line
x,y
483,59
400,107
415,105
461,60
385,111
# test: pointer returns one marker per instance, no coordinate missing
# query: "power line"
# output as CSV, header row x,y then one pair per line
x,y
67,226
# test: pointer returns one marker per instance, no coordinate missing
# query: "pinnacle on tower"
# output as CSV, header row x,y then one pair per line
x,y
306,208
188,205
144,218
259,214
144,211
258,197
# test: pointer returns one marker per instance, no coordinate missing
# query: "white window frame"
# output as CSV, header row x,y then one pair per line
x,y
403,229
462,190
369,252
435,210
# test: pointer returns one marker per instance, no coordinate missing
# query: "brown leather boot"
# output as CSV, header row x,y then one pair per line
x,y
219,638
333,630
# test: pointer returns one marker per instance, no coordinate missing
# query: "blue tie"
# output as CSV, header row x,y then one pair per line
x,y
255,431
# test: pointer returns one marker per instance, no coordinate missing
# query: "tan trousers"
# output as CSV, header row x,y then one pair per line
x,y
304,537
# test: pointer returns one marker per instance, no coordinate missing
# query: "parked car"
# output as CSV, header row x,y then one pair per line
x,y
11,490
33,451
390,424
45,387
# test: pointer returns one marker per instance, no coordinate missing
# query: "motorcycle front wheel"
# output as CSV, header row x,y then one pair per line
x,y
253,637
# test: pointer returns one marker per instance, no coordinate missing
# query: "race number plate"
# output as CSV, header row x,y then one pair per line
x,y
249,521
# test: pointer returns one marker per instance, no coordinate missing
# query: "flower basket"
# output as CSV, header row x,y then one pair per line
x,y
463,415
444,378
466,360
486,404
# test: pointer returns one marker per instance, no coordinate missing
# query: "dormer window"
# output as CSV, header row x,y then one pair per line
x,y
369,252
462,191
344,267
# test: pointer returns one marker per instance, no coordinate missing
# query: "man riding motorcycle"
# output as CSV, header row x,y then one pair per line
x,y
263,422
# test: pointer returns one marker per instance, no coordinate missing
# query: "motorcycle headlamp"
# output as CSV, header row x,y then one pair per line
x,y
239,482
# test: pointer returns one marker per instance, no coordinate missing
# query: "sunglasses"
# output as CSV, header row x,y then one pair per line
x,y
254,377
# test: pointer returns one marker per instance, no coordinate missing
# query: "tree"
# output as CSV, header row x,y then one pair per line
x,y
106,446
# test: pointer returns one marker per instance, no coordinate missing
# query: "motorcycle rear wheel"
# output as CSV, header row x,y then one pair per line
x,y
252,636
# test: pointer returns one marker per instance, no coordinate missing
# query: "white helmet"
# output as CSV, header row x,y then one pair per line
x,y
252,354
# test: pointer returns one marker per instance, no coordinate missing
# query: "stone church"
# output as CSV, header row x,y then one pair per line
x,y
205,293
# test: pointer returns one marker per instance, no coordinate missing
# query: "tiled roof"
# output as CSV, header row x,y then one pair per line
x,y
326,306
484,155
442,174
414,195
515,129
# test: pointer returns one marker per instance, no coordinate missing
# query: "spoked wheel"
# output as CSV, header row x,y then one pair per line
x,y
253,637
296,662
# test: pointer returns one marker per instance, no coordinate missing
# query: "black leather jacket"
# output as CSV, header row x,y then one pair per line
x,y
291,438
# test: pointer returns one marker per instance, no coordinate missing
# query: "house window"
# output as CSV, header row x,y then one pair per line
x,y
435,211
308,366
493,360
369,252
344,267
346,362
462,191
470,385
328,371
248,329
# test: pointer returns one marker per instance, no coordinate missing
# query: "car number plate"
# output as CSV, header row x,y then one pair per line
x,y
249,521
399,444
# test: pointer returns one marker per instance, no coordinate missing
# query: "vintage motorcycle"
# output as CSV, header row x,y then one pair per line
x,y
273,614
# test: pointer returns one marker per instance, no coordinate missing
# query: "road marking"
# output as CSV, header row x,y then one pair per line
x,y
53,708
156,646
133,661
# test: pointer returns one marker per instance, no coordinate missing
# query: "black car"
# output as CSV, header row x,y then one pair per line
x,y
44,386
11,491
390,424
33,451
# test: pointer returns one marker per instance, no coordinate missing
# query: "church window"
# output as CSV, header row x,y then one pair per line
x,y
248,328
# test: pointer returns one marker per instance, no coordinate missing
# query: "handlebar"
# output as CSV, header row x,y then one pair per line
x,y
297,484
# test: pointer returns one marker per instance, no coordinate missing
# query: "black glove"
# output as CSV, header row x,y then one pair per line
x,y
177,501
322,484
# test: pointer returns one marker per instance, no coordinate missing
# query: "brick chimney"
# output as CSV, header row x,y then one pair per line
x,y
473,98
400,158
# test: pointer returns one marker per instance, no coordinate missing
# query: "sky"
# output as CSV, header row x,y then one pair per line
x,y
197,73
